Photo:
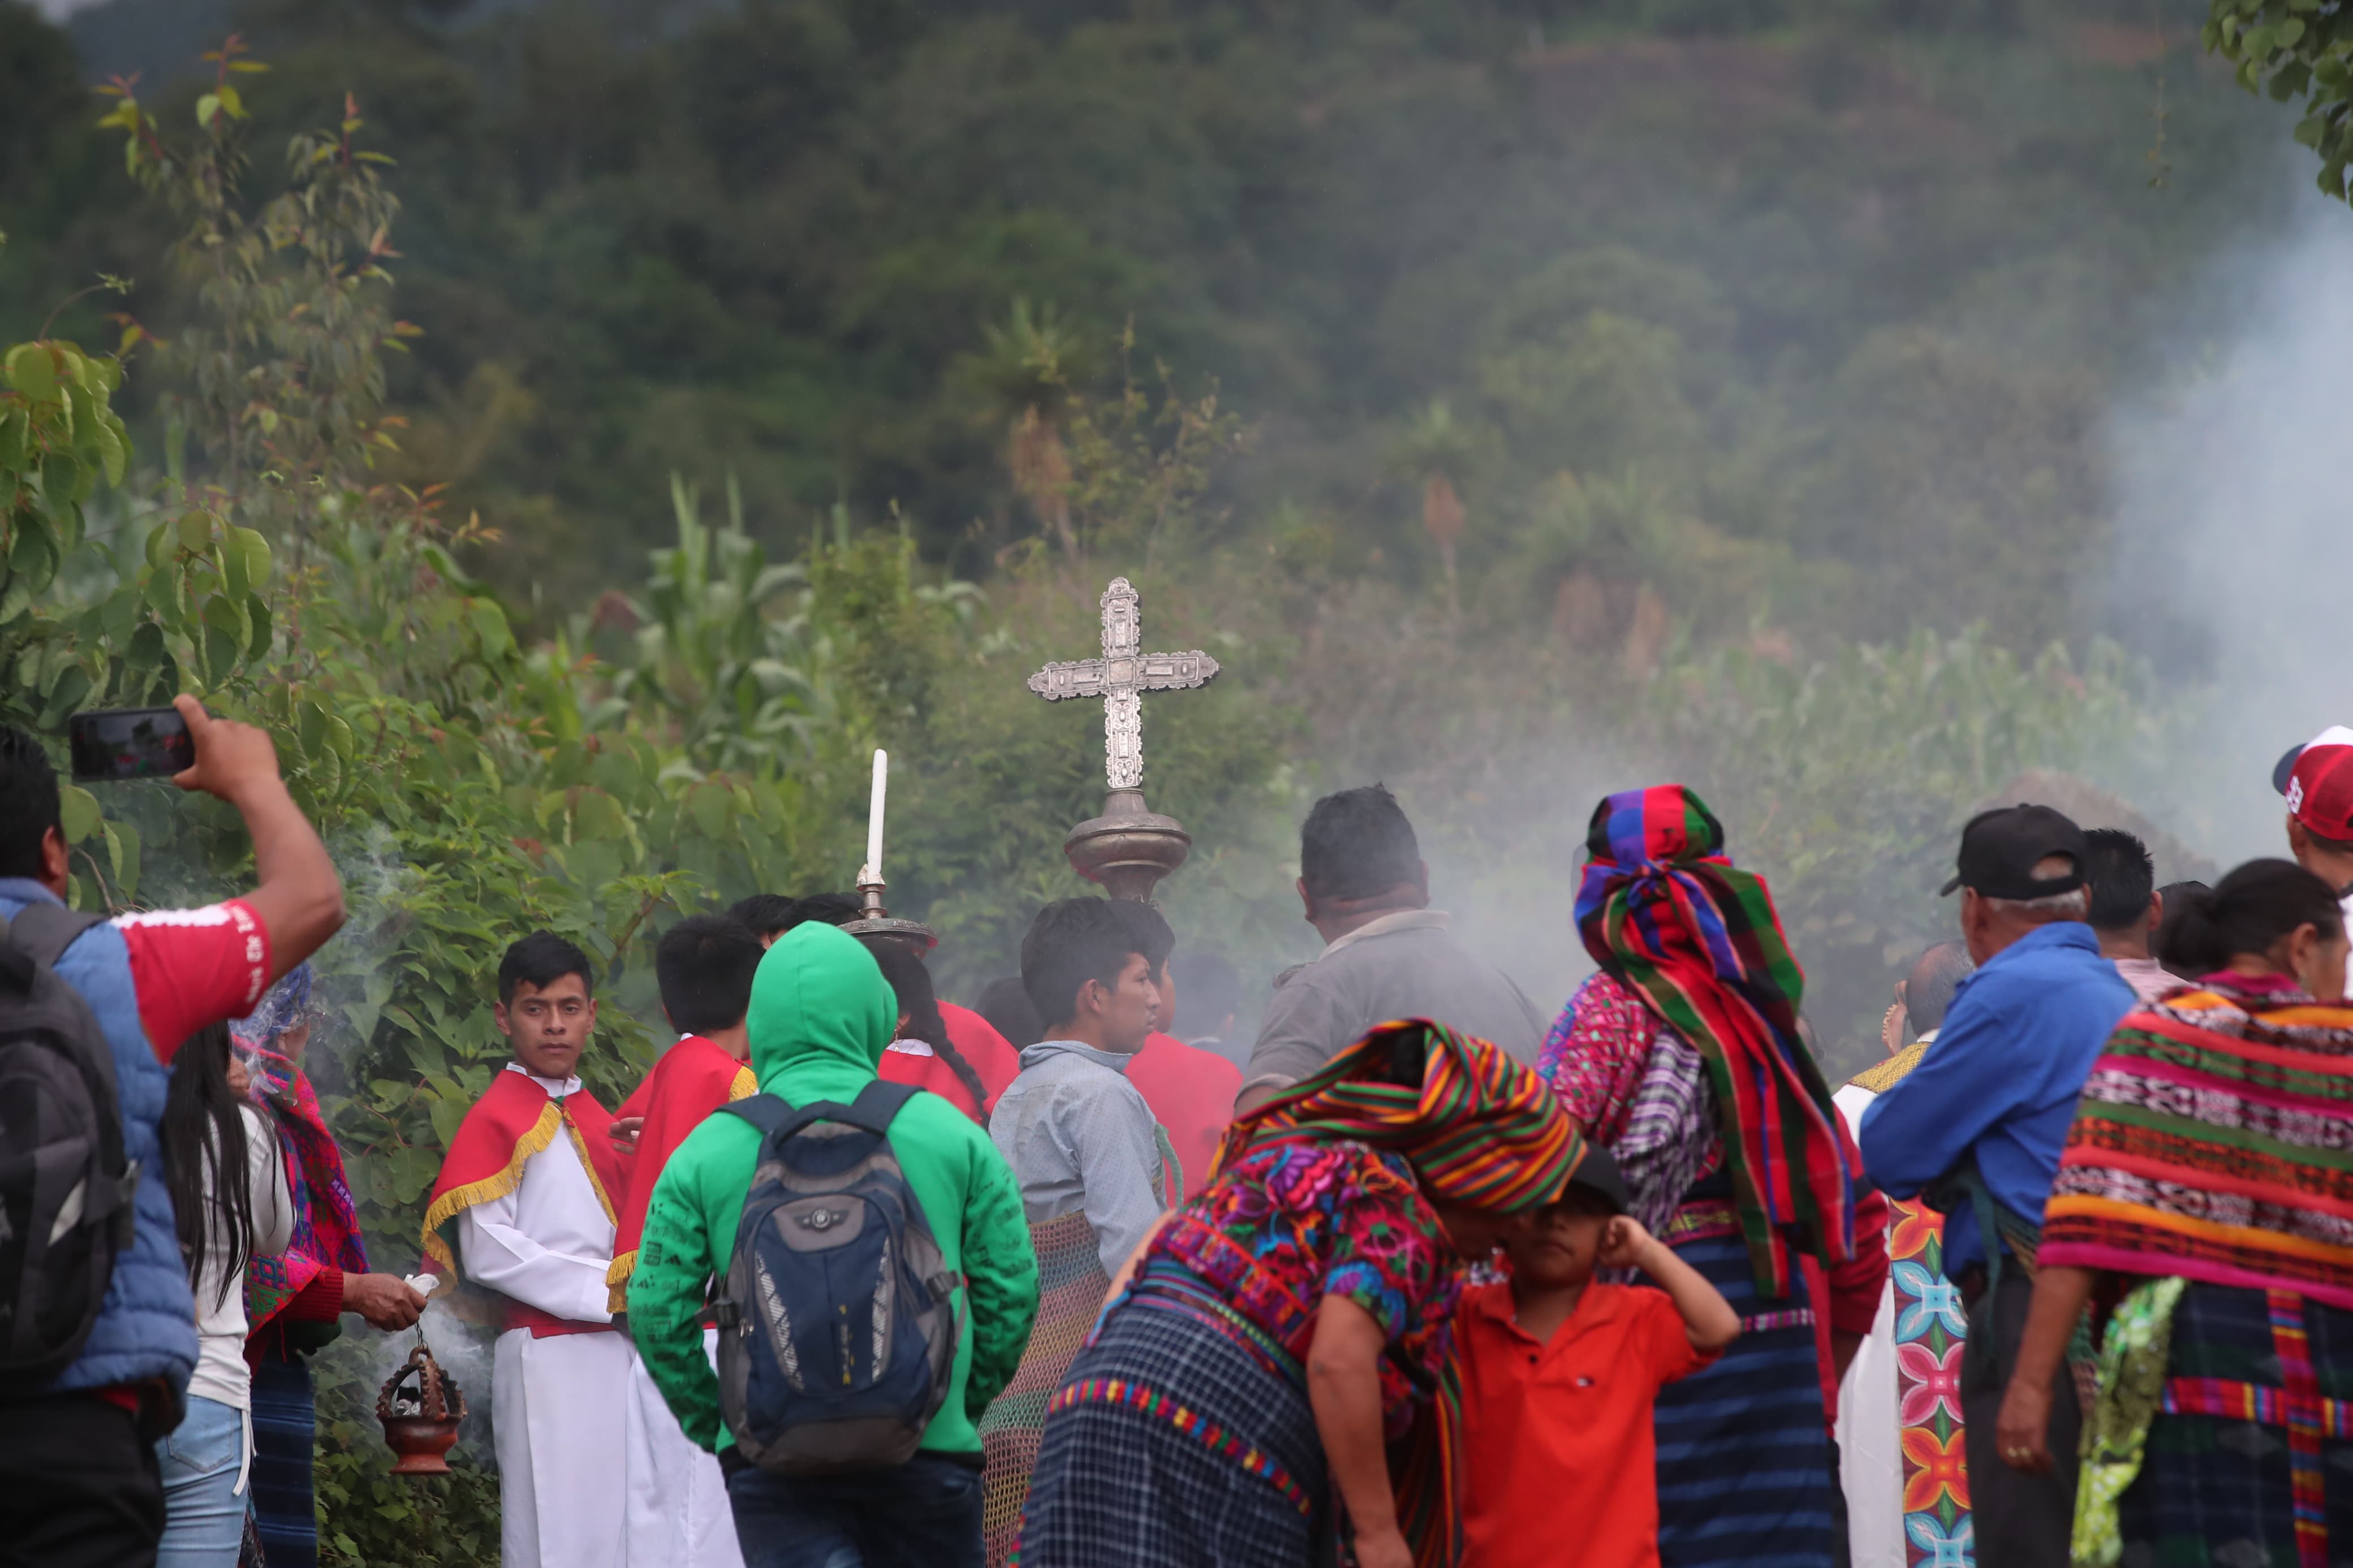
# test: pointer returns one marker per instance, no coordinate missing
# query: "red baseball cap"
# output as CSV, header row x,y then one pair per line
x,y
2317,779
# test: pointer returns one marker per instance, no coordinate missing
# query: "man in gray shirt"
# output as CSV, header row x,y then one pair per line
x,y
1387,953
1078,1134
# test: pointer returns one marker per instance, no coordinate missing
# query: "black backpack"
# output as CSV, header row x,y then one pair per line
x,y
838,1322
65,1189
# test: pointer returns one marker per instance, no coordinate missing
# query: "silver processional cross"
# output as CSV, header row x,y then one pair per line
x,y
1121,678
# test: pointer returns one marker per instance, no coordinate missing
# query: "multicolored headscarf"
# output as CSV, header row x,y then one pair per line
x,y
326,1221
1480,1129
1662,906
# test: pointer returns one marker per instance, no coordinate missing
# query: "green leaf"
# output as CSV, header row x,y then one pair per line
x,y
257,614
227,616
15,429
207,106
231,562
62,479
256,554
310,728
122,843
114,454
220,650
490,628
32,372
195,531
2287,33
77,812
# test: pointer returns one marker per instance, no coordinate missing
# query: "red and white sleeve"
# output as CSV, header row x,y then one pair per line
x,y
195,967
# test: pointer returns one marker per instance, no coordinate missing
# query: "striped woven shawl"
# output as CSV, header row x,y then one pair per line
x,y
2214,1141
1661,904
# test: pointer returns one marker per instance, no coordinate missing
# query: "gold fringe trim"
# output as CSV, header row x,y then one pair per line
x,y
450,1204
746,1085
617,1282
1880,1077
580,1142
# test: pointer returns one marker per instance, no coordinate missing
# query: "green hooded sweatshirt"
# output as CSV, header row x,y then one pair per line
x,y
821,1014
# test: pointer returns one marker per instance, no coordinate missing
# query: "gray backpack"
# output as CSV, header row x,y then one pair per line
x,y
64,1188
838,1317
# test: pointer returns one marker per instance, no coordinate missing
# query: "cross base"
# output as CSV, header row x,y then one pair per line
x,y
1128,850
876,921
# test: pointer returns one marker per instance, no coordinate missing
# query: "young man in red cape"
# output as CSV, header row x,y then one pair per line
x,y
525,1208
679,1515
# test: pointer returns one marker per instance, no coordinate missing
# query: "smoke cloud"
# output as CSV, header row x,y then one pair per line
x,y
2234,515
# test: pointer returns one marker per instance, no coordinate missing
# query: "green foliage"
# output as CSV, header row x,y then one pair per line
x,y
2294,50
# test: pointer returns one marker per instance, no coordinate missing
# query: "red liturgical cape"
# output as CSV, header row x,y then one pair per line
x,y
514,1119
694,1078
1191,1092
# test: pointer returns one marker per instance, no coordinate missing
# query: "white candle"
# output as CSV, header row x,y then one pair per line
x,y
874,815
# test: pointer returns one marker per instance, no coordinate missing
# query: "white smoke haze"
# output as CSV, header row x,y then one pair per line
x,y
2234,517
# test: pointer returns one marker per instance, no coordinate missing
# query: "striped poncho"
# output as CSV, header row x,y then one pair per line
x,y
2214,1141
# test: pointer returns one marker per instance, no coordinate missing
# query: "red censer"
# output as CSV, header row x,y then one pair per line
x,y
420,1406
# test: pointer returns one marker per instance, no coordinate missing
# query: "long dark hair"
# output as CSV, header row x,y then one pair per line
x,y
2246,913
911,983
205,1157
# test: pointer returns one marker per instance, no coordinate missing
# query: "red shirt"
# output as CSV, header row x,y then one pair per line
x,y
193,967
1191,1093
1558,1459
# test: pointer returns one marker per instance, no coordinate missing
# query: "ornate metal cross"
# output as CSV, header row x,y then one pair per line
x,y
1120,678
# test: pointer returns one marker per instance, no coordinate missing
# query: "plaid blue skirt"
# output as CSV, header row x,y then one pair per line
x,y
2217,1490
1174,1443
1744,1455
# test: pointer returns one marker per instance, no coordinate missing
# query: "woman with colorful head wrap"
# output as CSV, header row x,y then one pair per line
x,y
293,1299
2204,1204
1285,1331
1683,1057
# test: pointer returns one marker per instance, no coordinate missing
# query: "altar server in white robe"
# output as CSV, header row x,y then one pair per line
x,y
526,1196
1870,1439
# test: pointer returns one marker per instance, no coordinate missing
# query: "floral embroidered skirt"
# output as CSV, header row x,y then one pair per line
x,y
1174,1443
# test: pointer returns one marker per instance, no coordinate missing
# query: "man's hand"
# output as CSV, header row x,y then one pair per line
x,y
2022,1432
231,757
624,1132
385,1302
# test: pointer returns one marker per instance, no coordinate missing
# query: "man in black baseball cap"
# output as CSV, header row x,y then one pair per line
x,y
1986,1111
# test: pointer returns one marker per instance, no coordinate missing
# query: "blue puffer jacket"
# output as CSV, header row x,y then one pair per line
x,y
147,1327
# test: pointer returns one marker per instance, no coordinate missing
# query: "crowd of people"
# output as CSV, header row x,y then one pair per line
x,y
859,1277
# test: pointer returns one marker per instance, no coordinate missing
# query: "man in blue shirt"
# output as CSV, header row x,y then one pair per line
x,y
1994,1096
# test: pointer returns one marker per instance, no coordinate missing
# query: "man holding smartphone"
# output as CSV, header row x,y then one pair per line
x,y
79,1479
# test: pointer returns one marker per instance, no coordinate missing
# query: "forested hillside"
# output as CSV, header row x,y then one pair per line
x,y
1801,308
1518,397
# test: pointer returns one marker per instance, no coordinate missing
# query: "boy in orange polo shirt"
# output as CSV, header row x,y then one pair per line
x,y
1559,1374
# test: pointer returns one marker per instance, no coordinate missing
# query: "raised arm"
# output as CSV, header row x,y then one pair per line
x,y
301,898
1708,1318
1919,1130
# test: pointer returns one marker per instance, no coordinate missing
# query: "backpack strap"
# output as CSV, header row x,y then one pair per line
x,y
43,932
776,1118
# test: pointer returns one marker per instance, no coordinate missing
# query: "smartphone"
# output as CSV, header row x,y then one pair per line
x,y
129,743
